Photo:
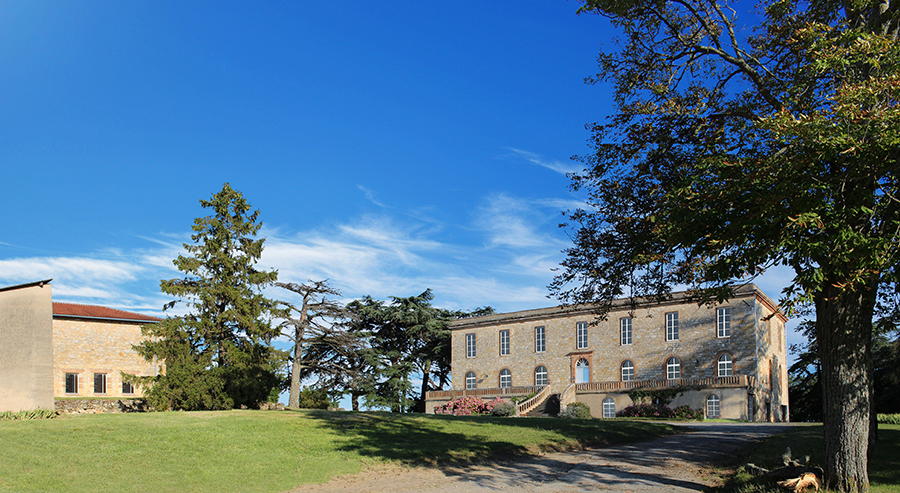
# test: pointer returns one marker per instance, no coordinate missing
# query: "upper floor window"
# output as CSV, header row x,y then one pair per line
x,y
540,339
99,383
471,380
672,326
627,371
540,376
71,383
725,366
470,345
581,335
673,368
625,331
723,321
504,342
505,379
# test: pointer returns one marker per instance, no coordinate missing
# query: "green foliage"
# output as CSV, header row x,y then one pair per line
x,y
656,396
25,415
576,410
889,419
312,398
219,355
504,408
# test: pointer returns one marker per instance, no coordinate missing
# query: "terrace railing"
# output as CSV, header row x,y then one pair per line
x,y
715,382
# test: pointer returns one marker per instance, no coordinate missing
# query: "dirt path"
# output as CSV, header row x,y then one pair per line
x,y
678,463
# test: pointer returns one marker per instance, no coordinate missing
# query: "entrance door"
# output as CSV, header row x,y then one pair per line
x,y
582,371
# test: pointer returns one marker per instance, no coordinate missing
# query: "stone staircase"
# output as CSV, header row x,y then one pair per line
x,y
550,407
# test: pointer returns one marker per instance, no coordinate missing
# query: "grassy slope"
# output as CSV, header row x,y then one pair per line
x,y
884,460
266,451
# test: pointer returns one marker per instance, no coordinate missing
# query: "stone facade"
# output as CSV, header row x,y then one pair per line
x,y
754,389
87,347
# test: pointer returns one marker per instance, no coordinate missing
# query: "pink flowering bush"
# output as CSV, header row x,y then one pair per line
x,y
467,406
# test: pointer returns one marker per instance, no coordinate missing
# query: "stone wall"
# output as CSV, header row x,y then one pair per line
x,y
95,406
88,347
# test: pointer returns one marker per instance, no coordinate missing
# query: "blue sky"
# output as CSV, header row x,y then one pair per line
x,y
389,147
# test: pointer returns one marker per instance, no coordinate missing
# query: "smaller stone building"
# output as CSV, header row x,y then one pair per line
x,y
729,360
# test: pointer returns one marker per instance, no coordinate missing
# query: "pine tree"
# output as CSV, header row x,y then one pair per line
x,y
219,355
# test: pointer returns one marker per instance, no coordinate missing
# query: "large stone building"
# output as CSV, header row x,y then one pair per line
x,y
729,360
65,350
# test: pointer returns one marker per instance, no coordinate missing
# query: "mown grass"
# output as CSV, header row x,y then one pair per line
x,y
884,460
263,451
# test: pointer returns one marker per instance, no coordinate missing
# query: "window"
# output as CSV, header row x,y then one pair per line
x,y
582,371
725,366
504,342
609,408
581,335
673,368
672,326
540,340
71,383
127,388
470,345
505,379
540,376
625,326
627,371
99,383
712,406
723,316
471,380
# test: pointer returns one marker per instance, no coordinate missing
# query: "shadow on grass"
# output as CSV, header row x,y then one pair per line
x,y
429,439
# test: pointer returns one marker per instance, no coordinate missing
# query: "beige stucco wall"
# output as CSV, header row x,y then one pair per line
x,y
26,353
87,347
732,401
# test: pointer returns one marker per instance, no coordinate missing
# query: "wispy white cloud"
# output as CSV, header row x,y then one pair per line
x,y
552,164
34,268
370,195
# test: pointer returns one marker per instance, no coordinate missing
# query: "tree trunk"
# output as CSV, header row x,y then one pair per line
x,y
354,400
844,333
296,366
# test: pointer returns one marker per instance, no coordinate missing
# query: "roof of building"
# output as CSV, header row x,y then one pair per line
x,y
98,312
26,285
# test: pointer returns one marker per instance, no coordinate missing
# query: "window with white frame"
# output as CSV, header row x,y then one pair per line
x,y
99,383
725,365
471,380
540,339
504,342
673,368
540,376
712,406
625,331
505,379
470,345
723,318
672,326
609,408
581,335
627,371
71,383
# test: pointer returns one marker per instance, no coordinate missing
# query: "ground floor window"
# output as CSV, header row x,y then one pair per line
x,y
609,408
712,406
99,383
471,380
627,371
71,383
582,371
505,379
540,376
127,388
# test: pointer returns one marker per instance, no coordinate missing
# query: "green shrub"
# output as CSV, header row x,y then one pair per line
x,y
314,399
504,408
889,419
577,410
33,414
685,412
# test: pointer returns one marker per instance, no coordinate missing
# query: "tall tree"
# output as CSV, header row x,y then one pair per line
x,y
737,147
219,355
318,332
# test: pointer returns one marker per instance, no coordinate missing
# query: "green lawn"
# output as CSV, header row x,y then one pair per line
x,y
884,461
247,451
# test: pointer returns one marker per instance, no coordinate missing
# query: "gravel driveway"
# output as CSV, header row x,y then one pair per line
x,y
678,463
